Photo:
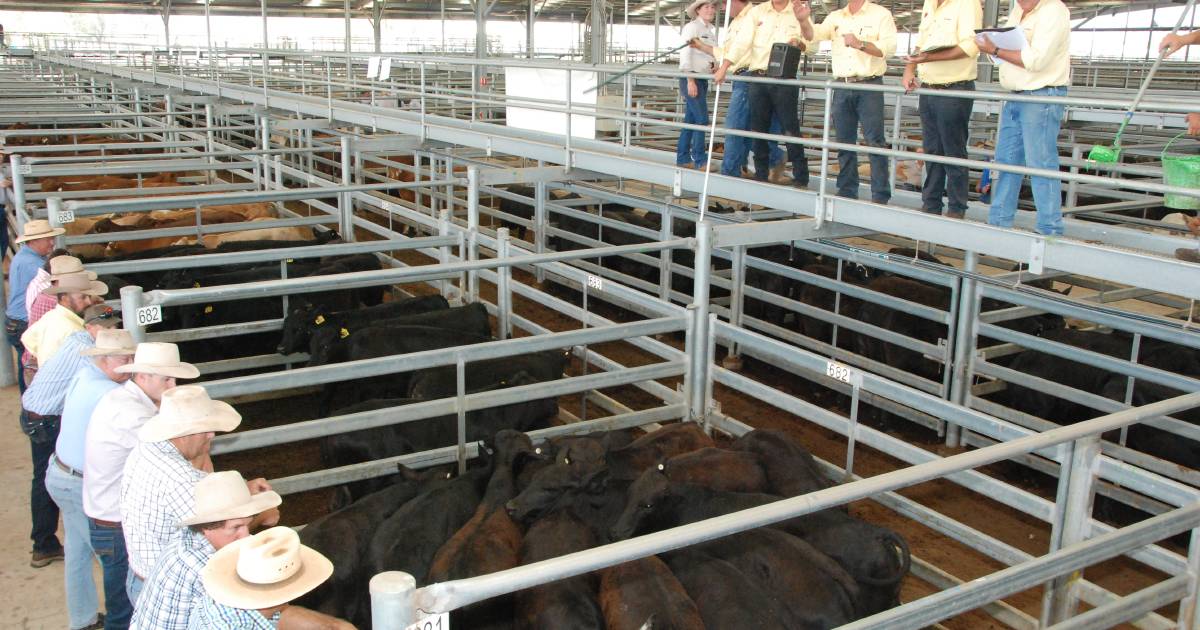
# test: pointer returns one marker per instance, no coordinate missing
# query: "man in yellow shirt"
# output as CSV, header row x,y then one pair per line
x,y
750,46
863,36
1029,131
945,60
1170,44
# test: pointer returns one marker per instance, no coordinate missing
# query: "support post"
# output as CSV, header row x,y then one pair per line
x,y
503,286
472,228
54,216
698,359
737,304
1073,511
345,201
539,226
392,600
131,301
964,344
18,185
1187,605
529,31
665,260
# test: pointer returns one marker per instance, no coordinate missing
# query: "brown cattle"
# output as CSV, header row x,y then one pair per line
x,y
643,590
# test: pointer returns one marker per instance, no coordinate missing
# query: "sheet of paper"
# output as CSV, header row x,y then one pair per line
x,y
1011,38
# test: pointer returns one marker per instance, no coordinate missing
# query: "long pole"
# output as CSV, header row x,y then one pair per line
x,y
712,127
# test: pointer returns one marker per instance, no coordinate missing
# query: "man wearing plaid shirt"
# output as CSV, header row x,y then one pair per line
x,y
225,512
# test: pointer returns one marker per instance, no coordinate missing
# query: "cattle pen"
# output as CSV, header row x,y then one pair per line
x,y
992,408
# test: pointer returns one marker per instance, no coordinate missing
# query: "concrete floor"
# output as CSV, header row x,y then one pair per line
x,y
29,598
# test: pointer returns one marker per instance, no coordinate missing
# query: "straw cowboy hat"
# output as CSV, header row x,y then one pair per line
x,y
110,342
159,358
68,265
76,283
102,315
224,495
694,7
38,228
265,570
187,410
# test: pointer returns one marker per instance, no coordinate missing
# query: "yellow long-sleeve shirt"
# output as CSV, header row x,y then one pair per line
x,y
1047,55
763,26
952,23
872,24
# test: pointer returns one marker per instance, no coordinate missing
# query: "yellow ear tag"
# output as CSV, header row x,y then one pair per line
x,y
319,320
290,260
343,333
196,285
208,309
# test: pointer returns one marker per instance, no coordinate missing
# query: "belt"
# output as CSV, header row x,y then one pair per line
x,y
65,468
948,86
757,73
38,416
106,524
1045,87
858,79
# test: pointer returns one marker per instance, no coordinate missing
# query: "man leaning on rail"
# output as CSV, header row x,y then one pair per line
x,y
750,46
945,60
863,36
1170,44
1029,131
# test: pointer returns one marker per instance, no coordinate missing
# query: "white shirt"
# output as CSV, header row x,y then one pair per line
x,y
111,435
690,59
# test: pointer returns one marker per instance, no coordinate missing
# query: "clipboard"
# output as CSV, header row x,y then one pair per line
x,y
1008,38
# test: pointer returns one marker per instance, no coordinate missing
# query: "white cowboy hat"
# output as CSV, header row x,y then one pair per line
x,y
187,410
265,570
694,7
109,342
66,265
159,358
224,495
38,228
76,283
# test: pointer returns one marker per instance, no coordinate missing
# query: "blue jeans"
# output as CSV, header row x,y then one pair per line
x,y
133,587
737,148
850,109
691,149
945,123
1029,137
109,545
67,491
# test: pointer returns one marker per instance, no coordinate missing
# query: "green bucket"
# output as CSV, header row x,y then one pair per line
x,y
1182,171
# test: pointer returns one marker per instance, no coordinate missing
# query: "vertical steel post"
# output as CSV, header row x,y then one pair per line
x,y
539,226
1187,605
698,360
664,256
346,223
892,162
54,216
821,198
208,142
460,408
737,302
392,605
472,229
1073,512
17,173
131,301
444,252
503,286
964,344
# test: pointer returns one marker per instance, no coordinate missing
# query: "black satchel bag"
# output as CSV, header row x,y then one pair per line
x,y
41,429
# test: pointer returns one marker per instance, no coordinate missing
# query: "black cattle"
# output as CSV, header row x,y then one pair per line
x,y
628,462
645,594
569,603
524,210
489,541
725,597
773,283
304,319
340,537
789,467
904,323
719,469
877,558
825,299
408,539
330,344
441,382
1152,440
811,590
611,236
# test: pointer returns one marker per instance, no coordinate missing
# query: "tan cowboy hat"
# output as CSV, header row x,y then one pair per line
x,y
109,342
693,9
265,570
224,495
76,283
187,410
101,315
159,358
67,265
38,228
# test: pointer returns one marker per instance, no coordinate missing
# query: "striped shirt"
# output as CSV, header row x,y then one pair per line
x,y
174,587
158,489
213,616
40,282
48,391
